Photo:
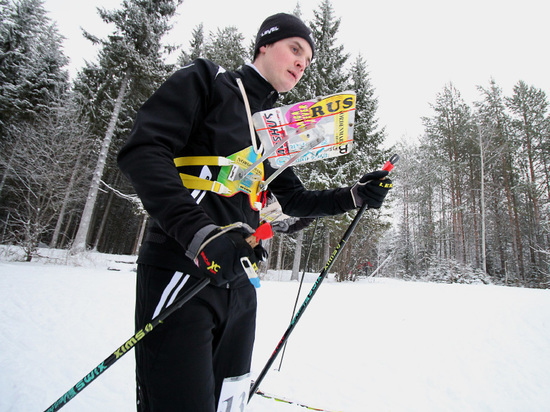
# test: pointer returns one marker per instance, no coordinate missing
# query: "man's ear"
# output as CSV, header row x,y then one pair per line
x,y
260,52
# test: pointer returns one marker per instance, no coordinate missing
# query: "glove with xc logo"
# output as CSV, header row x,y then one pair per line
x,y
224,254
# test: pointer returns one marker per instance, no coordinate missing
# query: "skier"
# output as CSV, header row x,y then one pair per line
x,y
173,156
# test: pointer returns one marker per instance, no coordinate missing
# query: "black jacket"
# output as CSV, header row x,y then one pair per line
x,y
198,111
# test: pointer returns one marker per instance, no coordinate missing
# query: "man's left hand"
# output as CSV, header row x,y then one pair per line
x,y
372,189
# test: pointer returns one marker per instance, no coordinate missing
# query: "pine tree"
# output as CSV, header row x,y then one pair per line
x,y
448,132
504,244
529,110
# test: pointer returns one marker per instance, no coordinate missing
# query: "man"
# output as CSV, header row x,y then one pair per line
x,y
181,138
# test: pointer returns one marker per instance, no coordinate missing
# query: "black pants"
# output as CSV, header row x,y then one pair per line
x,y
181,365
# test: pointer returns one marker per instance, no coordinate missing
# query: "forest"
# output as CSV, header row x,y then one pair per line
x,y
470,198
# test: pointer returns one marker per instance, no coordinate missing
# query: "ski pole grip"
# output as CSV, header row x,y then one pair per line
x,y
263,232
390,163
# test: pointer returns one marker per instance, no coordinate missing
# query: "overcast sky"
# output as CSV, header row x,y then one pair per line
x,y
412,48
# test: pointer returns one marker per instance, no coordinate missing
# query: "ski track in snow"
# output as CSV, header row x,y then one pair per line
x,y
372,345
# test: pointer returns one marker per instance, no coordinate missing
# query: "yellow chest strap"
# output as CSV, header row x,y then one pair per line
x,y
203,161
197,183
225,185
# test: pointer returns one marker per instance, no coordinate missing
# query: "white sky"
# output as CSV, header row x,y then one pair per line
x,y
412,48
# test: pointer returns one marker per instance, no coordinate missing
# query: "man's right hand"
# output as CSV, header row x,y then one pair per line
x,y
219,256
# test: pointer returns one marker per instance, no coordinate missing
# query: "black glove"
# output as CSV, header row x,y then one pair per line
x,y
291,225
371,189
222,251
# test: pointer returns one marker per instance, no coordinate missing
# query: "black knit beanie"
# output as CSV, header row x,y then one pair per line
x,y
281,26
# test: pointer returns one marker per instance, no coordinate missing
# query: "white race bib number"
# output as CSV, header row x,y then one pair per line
x,y
234,395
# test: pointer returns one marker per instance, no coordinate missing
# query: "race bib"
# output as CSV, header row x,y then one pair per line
x,y
234,394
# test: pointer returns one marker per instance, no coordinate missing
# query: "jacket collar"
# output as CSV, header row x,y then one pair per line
x,y
261,94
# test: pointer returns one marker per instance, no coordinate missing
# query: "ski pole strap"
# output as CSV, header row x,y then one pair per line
x,y
198,239
208,233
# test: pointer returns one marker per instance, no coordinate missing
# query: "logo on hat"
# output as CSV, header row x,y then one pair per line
x,y
269,31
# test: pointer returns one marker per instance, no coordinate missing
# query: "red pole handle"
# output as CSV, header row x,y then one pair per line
x,y
390,163
263,232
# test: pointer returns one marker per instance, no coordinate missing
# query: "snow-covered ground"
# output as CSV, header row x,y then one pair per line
x,y
372,345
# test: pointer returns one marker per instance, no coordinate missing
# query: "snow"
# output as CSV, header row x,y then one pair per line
x,y
377,345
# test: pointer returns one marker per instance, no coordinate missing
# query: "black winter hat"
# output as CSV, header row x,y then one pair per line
x,y
281,26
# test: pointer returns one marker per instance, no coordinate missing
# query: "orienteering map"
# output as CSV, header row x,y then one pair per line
x,y
328,119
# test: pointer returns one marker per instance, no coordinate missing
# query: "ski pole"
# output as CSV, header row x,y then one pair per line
x,y
126,346
387,166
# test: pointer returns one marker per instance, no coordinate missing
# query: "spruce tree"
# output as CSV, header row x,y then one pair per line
x,y
32,74
196,47
32,63
367,155
32,81
225,47
130,67
326,75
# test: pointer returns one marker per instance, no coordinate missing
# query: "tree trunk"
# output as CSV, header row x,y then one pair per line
x,y
80,242
8,168
482,159
141,234
326,256
57,230
279,263
103,220
297,256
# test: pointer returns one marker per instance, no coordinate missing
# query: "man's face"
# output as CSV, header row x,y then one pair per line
x,y
283,63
